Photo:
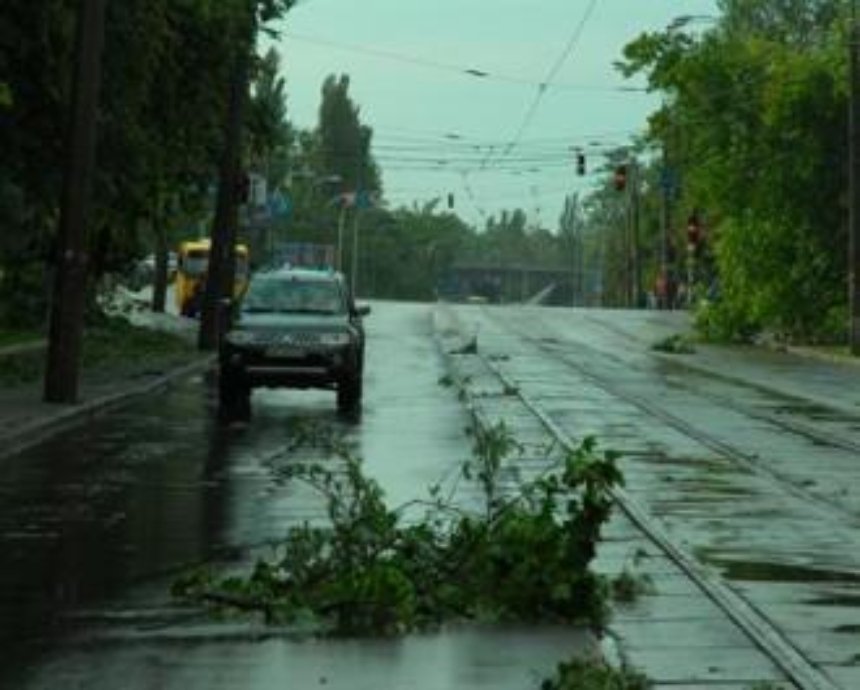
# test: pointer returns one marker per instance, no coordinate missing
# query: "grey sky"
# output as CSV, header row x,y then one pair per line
x,y
417,104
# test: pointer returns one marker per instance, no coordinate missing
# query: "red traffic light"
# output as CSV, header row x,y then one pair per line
x,y
694,229
620,178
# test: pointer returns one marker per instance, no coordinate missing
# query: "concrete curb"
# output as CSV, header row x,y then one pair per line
x,y
61,419
23,348
811,353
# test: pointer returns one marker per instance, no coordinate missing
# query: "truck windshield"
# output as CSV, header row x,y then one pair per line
x,y
293,295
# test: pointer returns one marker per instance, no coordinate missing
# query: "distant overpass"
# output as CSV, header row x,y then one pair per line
x,y
512,283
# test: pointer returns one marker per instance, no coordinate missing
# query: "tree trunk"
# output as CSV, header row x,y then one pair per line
x,y
159,285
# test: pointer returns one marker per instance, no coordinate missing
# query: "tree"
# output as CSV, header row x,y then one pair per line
x,y
270,135
249,17
344,143
754,115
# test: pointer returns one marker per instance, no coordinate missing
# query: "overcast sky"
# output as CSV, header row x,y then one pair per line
x,y
489,140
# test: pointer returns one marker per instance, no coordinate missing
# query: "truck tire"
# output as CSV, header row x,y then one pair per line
x,y
349,392
234,398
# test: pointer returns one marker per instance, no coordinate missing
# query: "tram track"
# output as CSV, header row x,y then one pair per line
x,y
751,462
793,426
762,631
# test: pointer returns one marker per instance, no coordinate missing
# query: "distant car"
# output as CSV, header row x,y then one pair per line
x,y
295,328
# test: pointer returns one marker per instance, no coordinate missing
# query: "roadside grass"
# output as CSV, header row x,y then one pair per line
x,y
9,337
111,347
116,341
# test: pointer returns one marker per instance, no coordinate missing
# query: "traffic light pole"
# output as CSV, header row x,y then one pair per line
x,y
854,187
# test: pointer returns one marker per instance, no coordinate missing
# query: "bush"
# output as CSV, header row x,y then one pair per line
x,y
586,675
23,296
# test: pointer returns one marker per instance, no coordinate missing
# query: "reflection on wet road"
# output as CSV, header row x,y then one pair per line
x,y
94,524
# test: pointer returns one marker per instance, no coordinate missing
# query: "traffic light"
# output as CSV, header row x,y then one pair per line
x,y
620,178
580,163
694,233
450,200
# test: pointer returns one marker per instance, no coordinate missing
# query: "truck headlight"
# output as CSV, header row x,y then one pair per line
x,y
241,338
335,339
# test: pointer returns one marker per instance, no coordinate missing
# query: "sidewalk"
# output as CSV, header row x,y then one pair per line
x,y
824,375
26,420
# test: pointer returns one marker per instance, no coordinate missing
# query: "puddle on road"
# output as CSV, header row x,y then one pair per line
x,y
851,600
471,658
811,411
764,571
711,464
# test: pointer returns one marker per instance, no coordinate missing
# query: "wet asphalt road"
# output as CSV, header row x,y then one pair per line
x,y
96,524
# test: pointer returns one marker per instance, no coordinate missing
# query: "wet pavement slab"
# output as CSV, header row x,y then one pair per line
x,y
671,631
758,484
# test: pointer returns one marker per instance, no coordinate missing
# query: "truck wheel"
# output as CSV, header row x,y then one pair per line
x,y
234,399
349,391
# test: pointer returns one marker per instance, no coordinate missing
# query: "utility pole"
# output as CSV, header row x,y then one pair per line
x,y
72,262
666,183
222,251
634,287
854,187
354,270
341,219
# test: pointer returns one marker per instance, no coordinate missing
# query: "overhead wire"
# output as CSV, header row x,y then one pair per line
x,y
470,71
551,74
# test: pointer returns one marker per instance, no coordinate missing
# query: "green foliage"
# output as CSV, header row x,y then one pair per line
x,y
589,675
18,337
344,143
753,123
677,344
524,556
111,346
164,91
628,587
23,296
114,342
20,368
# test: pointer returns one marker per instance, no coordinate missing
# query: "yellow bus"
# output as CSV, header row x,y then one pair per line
x,y
192,264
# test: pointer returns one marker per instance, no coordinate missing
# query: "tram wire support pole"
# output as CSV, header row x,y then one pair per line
x,y
222,253
854,185
68,303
